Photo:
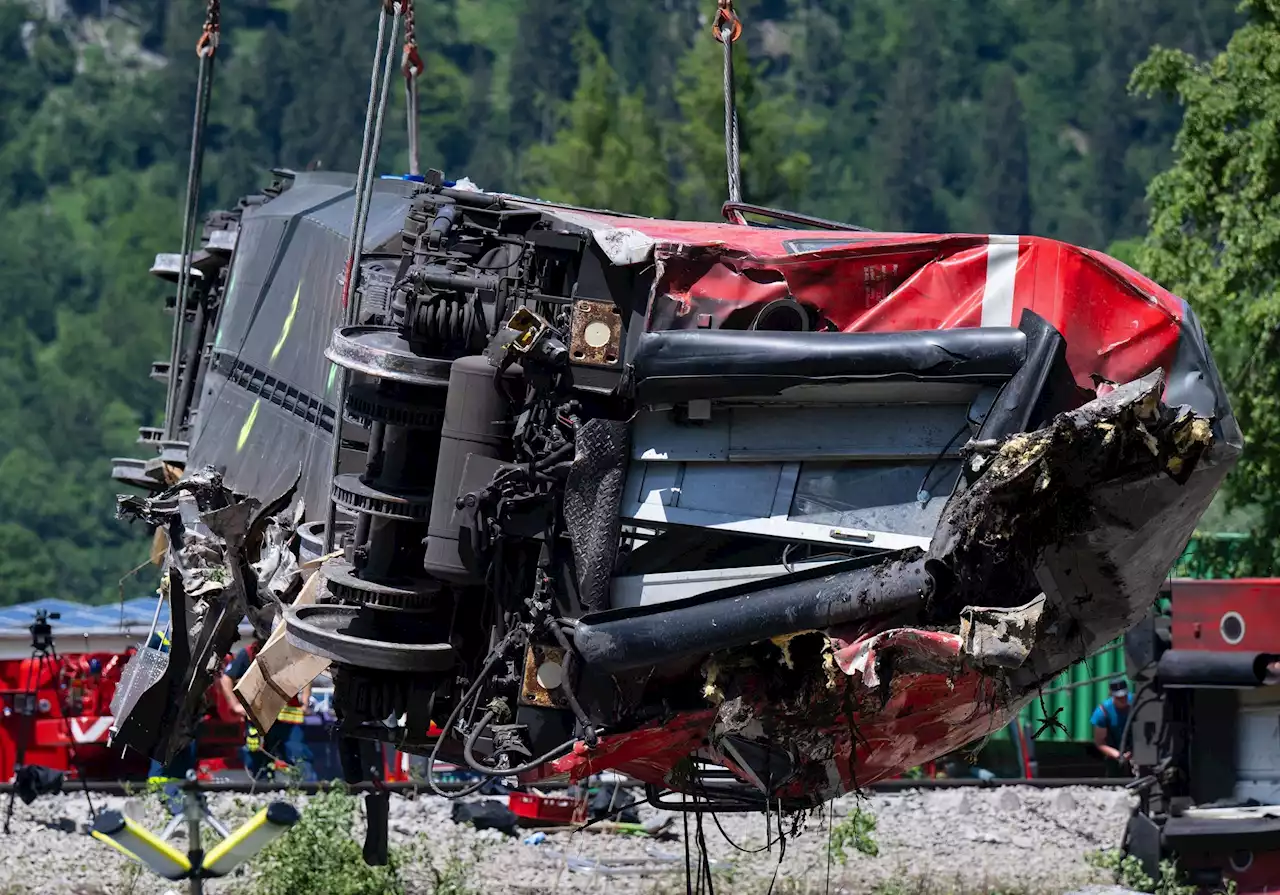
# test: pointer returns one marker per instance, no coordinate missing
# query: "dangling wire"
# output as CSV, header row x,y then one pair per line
x,y
412,66
375,115
727,28
206,50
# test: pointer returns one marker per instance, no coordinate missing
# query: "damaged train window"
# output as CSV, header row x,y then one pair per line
x,y
873,496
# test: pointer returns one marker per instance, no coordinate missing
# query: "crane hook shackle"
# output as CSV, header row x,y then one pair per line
x,y
726,18
207,45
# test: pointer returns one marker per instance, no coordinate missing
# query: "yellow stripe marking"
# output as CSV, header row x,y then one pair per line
x,y
288,323
248,425
226,847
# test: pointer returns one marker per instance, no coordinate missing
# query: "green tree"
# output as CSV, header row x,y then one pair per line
x,y
773,133
1215,231
543,67
904,141
329,55
1003,181
608,154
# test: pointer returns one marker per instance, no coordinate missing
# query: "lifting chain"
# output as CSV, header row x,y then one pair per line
x,y
727,28
207,45
412,66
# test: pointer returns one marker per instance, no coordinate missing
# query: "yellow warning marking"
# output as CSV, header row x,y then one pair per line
x,y
248,426
288,323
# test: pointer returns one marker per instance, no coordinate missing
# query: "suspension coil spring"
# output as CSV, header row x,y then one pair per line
x,y
450,321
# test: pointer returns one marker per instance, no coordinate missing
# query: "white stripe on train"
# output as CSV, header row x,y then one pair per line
x,y
997,293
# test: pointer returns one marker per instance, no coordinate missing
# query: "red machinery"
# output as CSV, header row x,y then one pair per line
x,y
1205,737
59,711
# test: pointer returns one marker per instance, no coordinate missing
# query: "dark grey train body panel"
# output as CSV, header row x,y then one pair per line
x,y
266,406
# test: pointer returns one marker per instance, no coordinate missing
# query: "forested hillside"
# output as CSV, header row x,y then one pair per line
x,y
985,115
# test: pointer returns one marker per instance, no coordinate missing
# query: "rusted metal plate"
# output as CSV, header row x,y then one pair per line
x,y
597,333
532,690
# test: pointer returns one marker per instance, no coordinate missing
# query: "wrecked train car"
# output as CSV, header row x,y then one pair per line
x,y
760,510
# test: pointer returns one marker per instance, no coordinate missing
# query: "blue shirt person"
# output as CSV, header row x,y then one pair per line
x,y
1109,721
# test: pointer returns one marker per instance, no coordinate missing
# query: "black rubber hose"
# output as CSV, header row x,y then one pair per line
x,y
469,757
843,593
1212,668
498,652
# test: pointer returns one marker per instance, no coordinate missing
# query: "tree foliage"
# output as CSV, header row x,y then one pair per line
x,y
1004,185
1215,232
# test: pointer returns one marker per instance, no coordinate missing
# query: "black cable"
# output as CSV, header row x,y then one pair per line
x,y
831,825
498,652
468,754
589,732
688,860
706,858
923,489
731,135
769,843
190,211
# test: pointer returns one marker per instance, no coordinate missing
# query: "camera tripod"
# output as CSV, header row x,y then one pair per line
x,y
44,660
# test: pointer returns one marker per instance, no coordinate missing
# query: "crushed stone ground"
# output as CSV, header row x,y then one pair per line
x,y
1008,840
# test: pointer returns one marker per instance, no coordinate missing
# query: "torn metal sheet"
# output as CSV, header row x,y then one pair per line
x,y
1118,324
622,244
211,584
1001,638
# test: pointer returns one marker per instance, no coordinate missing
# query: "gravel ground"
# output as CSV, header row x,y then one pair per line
x,y
1013,841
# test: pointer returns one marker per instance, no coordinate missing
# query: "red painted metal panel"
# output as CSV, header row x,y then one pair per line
x,y
71,722
1247,608
1118,324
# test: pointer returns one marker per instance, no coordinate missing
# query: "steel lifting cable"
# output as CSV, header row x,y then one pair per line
x,y
375,115
206,51
412,66
727,28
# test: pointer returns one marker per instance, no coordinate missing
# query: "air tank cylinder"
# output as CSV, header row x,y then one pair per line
x,y
472,444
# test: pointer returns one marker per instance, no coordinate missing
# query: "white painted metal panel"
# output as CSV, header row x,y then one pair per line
x,y
1258,750
798,433
632,591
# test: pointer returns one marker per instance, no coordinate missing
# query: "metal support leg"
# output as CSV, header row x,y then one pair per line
x,y
194,811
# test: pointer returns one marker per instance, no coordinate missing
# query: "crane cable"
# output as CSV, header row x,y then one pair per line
x,y
412,66
727,28
375,116
206,51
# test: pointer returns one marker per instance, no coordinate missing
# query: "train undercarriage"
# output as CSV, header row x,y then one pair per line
x,y
757,511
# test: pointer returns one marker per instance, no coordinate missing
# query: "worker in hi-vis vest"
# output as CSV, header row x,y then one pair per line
x,y
285,740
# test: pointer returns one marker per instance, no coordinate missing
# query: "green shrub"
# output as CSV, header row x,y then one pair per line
x,y
1128,873
454,874
321,856
856,831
